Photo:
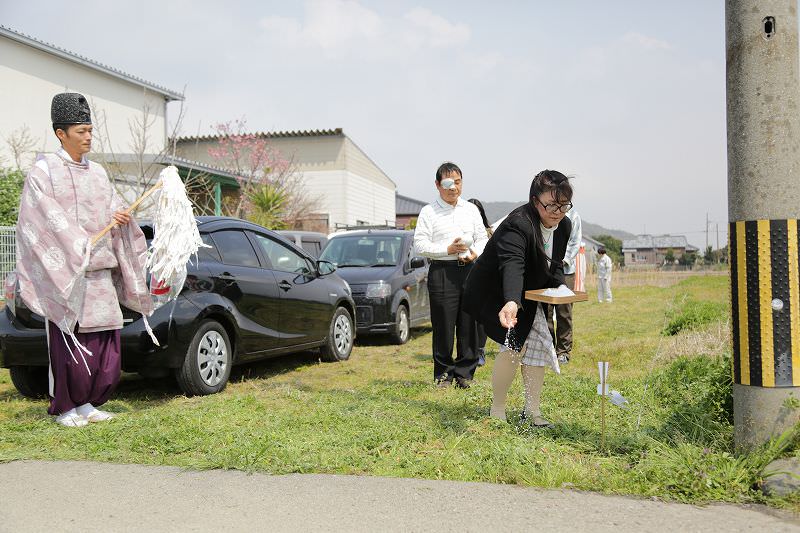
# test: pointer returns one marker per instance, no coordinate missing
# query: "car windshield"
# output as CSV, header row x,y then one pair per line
x,y
363,251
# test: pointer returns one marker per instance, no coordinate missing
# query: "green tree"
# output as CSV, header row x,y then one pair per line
x,y
268,206
688,259
613,248
669,257
722,254
11,181
710,256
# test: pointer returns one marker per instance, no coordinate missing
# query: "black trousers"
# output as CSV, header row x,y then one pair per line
x,y
445,288
562,334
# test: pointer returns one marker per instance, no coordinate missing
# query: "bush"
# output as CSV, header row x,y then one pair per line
x,y
10,190
698,394
694,315
613,248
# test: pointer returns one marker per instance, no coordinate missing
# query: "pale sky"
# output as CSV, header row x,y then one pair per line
x,y
627,96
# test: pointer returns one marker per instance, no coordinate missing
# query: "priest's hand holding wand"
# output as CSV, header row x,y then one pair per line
x,y
121,218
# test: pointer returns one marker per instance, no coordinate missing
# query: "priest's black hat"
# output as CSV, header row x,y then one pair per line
x,y
70,108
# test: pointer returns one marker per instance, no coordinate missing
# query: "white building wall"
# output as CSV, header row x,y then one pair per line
x,y
29,78
348,198
369,202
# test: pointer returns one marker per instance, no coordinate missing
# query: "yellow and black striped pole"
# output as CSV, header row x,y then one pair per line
x,y
763,210
765,298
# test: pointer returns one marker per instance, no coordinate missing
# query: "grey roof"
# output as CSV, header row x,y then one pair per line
x,y
592,243
403,205
335,132
85,61
166,159
649,242
271,135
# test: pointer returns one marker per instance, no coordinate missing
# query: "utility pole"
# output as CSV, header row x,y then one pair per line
x,y
706,248
763,211
718,252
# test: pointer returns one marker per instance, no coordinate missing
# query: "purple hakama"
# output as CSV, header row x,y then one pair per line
x,y
71,384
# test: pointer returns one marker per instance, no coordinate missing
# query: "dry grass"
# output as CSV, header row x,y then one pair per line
x,y
650,278
715,339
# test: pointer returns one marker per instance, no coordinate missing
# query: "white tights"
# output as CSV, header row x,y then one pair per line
x,y
505,369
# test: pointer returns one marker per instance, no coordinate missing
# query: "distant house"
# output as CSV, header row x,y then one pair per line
x,y
651,250
591,245
33,71
352,189
406,209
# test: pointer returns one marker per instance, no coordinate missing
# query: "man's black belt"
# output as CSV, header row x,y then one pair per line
x,y
453,262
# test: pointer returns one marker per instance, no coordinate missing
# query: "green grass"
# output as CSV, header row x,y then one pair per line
x,y
694,315
379,414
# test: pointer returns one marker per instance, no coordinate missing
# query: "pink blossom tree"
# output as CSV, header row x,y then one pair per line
x,y
260,169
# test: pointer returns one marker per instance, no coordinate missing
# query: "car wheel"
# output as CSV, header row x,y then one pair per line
x,y
339,343
207,365
30,381
402,328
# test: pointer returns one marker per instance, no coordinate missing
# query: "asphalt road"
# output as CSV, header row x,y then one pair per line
x,y
81,496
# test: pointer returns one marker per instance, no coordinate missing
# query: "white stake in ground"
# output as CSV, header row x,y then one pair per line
x,y
602,390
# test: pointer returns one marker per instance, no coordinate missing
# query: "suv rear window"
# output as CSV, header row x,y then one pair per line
x,y
365,250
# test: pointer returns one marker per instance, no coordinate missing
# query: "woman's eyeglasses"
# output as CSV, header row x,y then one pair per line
x,y
556,208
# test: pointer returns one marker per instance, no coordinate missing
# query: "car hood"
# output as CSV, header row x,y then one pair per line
x,y
360,275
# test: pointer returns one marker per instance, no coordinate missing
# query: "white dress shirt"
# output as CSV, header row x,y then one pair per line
x,y
439,223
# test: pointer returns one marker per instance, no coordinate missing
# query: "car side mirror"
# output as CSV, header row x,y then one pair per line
x,y
325,267
417,262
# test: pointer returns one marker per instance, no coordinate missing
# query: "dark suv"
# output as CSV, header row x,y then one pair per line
x,y
249,296
388,281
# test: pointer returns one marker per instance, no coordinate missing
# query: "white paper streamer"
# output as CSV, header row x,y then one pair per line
x,y
176,237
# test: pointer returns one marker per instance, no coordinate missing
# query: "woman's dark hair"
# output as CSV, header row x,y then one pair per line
x,y
601,250
445,169
551,180
546,181
479,205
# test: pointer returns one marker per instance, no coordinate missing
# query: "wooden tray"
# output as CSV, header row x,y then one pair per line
x,y
537,296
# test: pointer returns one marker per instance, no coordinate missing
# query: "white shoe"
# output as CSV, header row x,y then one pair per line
x,y
72,419
99,416
93,414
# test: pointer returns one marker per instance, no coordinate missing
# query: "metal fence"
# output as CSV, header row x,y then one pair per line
x,y
8,253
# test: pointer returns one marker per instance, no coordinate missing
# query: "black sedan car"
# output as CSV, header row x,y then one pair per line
x,y
389,282
251,295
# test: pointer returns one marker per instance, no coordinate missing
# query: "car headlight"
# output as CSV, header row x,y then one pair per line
x,y
378,290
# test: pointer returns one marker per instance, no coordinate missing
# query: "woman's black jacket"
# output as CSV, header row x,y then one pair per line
x,y
510,265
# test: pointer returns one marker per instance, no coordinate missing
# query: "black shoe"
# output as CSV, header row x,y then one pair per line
x,y
443,383
463,383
